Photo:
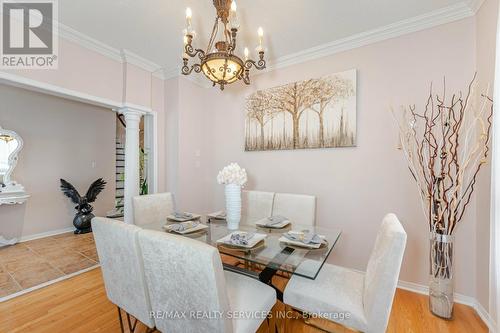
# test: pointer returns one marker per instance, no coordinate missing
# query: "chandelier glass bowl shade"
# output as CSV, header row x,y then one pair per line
x,y
218,61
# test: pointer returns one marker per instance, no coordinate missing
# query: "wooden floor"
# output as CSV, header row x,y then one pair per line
x,y
79,304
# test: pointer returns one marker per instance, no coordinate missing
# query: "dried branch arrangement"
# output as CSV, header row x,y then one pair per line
x,y
445,147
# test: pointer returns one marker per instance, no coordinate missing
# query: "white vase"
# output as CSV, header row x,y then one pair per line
x,y
233,206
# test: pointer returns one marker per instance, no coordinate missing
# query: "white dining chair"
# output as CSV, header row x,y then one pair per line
x,y
185,276
256,205
355,300
122,270
152,208
298,208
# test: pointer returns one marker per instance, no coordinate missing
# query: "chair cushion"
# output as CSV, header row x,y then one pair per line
x,y
251,297
335,292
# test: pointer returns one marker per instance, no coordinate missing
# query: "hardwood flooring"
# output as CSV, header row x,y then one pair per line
x,y
79,304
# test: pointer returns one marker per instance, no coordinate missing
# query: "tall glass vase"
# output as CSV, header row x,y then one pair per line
x,y
233,206
441,275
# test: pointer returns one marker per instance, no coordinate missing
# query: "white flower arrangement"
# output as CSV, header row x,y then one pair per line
x,y
232,174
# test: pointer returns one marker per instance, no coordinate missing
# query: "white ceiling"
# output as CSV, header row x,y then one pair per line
x,y
153,28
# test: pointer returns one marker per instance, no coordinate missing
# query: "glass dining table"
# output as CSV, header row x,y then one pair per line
x,y
271,254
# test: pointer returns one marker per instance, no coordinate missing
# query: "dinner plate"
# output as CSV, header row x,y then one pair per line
x,y
323,246
263,224
220,215
251,243
283,239
187,231
177,219
237,248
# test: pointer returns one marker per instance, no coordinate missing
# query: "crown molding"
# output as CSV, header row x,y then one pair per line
x,y
121,56
464,9
474,5
432,19
160,74
136,60
89,42
172,72
438,17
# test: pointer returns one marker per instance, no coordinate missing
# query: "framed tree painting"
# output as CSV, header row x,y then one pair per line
x,y
314,113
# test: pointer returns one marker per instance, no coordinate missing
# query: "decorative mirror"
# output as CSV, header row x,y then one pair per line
x,y
10,145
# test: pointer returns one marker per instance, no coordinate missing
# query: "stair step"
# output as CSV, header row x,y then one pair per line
x,y
114,216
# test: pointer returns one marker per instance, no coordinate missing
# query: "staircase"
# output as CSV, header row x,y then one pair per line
x,y
117,212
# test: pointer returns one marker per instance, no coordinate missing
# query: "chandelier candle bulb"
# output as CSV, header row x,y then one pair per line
x,y
233,17
189,15
260,32
246,53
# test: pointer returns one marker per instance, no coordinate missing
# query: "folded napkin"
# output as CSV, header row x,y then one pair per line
x,y
305,237
241,238
218,215
272,220
221,215
181,215
182,226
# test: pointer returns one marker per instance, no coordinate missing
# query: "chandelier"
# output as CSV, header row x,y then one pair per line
x,y
218,61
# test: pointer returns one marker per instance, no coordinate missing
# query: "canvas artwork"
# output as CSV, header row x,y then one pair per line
x,y
314,113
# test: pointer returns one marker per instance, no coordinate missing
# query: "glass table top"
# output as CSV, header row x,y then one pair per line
x,y
271,252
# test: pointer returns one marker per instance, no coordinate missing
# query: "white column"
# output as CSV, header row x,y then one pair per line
x,y
132,120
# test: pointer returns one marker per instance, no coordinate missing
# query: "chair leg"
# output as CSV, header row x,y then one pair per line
x,y
120,318
131,327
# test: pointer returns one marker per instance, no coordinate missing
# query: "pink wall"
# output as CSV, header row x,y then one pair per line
x,y
82,70
189,161
171,134
486,26
355,187
138,86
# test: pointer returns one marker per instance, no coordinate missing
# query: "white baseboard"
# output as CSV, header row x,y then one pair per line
x,y
46,234
459,298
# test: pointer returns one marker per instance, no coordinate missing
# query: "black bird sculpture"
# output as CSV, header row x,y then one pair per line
x,y
84,209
